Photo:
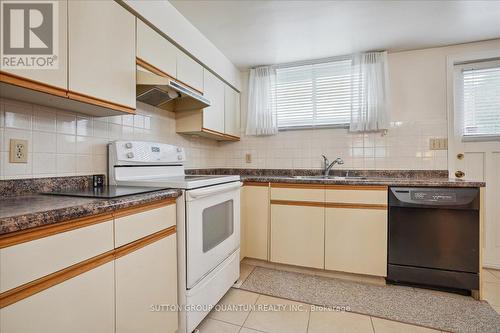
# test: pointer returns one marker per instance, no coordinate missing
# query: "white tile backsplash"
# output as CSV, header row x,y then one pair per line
x,y
67,143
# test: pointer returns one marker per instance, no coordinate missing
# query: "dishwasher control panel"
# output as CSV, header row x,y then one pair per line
x,y
433,196
456,198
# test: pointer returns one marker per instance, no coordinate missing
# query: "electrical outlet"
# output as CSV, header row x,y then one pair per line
x,y
248,158
18,151
438,143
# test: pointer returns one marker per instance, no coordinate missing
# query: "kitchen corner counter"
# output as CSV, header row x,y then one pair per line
x,y
432,182
23,212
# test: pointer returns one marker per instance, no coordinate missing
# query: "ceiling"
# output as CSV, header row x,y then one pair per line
x,y
260,32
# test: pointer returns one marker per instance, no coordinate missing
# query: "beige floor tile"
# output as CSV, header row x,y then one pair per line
x,y
388,326
492,293
495,272
245,271
488,276
215,326
248,330
333,321
234,306
292,318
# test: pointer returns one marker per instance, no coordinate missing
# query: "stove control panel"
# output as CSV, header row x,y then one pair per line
x,y
123,152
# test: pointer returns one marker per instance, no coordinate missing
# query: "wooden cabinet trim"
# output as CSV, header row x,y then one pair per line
x,y
29,289
153,69
266,184
99,102
144,207
31,84
357,187
222,136
355,206
23,236
48,89
298,185
298,203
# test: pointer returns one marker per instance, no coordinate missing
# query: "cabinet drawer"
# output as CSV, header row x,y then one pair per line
x,y
25,262
298,194
130,226
81,304
357,195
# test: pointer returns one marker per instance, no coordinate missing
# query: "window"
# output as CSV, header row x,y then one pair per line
x,y
480,99
316,95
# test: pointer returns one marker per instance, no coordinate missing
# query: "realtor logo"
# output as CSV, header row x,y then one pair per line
x,y
29,34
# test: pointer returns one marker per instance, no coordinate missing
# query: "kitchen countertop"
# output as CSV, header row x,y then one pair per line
x,y
431,182
34,210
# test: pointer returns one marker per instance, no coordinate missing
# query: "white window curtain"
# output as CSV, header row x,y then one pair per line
x,y
370,104
261,114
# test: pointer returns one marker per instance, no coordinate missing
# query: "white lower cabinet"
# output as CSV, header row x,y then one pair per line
x,y
83,304
146,280
255,221
297,235
356,241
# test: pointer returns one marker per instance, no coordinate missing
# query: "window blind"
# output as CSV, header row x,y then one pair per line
x,y
315,95
481,102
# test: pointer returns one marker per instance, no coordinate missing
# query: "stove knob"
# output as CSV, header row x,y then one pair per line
x,y
130,155
128,145
179,149
179,157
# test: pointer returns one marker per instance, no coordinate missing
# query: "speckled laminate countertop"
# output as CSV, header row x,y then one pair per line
x,y
28,211
431,182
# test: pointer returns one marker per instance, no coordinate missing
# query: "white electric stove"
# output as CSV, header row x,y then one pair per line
x,y
208,221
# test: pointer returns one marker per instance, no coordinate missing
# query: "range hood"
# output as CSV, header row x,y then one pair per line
x,y
166,93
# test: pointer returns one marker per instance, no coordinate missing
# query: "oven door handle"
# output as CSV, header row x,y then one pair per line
x,y
205,192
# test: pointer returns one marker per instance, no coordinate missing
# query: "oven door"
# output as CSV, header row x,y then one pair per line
x,y
212,228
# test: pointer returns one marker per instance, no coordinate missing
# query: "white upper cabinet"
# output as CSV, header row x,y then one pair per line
x,y
189,71
57,77
154,49
101,53
232,111
213,116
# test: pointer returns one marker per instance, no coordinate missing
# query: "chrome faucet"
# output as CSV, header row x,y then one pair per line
x,y
327,165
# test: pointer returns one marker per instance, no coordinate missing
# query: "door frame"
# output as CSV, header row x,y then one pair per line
x,y
490,258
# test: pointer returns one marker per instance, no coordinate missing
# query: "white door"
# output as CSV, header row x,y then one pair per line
x,y
474,136
212,228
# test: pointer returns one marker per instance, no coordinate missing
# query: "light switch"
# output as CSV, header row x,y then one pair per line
x,y
248,158
438,144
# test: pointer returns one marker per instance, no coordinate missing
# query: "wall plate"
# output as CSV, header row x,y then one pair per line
x,y
18,151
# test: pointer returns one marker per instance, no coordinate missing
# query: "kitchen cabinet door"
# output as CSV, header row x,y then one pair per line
x,y
102,54
82,304
189,71
145,278
213,116
255,221
52,77
154,49
297,235
232,111
356,240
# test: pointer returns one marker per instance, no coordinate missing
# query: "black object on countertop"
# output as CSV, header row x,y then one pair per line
x,y
106,192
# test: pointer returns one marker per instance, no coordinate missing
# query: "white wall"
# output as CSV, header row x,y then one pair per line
x,y
167,18
418,113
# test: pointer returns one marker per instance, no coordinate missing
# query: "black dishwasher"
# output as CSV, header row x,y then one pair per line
x,y
434,237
